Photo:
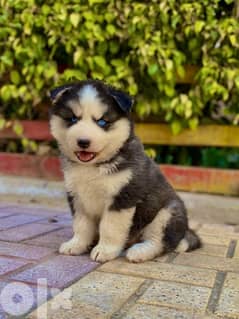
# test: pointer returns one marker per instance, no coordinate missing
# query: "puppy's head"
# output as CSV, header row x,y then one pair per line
x,y
90,121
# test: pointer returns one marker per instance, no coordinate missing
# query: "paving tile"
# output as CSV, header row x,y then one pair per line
x,y
19,219
154,312
229,300
97,295
24,251
58,220
215,240
162,271
4,206
34,210
25,231
8,264
17,299
232,281
205,261
2,315
60,271
236,253
4,213
219,230
194,224
212,250
177,295
53,239
237,228
162,259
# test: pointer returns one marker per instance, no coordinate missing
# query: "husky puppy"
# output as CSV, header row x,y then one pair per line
x,y
116,193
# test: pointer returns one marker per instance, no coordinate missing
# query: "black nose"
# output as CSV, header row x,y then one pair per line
x,y
83,143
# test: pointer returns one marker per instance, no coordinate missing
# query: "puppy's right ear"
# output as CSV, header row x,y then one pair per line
x,y
57,92
123,100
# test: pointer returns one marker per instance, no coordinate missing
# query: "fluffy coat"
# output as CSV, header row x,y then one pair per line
x,y
118,196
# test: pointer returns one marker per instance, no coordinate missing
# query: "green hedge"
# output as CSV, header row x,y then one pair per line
x,y
141,46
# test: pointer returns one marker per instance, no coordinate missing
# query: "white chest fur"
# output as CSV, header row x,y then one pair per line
x,y
94,187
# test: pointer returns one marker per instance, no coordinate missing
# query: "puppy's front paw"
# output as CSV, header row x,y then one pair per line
x,y
72,247
103,253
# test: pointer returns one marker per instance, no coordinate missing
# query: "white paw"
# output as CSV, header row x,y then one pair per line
x,y
72,247
141,252
182,246
103,253
135,254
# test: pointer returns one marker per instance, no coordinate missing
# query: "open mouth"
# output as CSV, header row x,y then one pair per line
x,y
84,156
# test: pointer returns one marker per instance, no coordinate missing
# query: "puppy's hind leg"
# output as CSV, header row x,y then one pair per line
x,y
153,235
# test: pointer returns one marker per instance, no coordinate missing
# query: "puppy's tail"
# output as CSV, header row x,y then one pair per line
x,y
190,242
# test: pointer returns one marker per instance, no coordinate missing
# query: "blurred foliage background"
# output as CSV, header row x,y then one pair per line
x,y
143,47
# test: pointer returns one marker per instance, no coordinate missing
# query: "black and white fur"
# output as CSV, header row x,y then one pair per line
x,y
119,196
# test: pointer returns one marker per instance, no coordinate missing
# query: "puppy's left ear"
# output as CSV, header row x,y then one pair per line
x,y
57,92
124,101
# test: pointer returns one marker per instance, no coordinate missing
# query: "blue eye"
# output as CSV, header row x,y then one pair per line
x,y
101,123
74,119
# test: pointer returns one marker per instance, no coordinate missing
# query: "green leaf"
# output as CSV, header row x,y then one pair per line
x,y
237,82
46,9
110,28
117,62
74,19
198,26
180,71
233,39
133,89
33,146
91,2
2,123
50,71
176,127
71,74
152,69
78,55
25,142
100,61
15,77
114,47
193,123
151,152
169,90
18,128
6,92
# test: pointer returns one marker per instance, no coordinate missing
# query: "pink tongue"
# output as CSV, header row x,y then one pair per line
x,y
85,156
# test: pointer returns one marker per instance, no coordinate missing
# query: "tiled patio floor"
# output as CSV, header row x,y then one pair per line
x,y
29,239
201,284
